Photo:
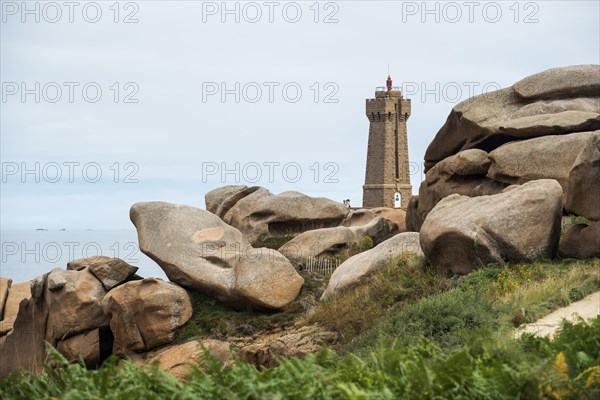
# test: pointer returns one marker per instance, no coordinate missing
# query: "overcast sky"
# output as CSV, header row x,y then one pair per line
x,y
295,75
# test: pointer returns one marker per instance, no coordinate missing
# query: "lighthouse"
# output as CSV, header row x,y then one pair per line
x,y
387,177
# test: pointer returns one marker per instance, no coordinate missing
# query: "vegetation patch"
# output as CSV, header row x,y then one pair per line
x,y
405,280
213,319
497,299
276,242
529,368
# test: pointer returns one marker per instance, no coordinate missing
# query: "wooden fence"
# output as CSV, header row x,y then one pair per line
x,y
321,266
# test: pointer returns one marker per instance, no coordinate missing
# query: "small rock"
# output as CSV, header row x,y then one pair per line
x,y
178,359
219,201
24,346
110,271
413,219
396,218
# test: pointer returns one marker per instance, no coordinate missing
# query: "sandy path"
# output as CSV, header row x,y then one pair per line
x,y
587,308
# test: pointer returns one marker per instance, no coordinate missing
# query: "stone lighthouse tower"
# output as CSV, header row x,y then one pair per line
x,y
387,180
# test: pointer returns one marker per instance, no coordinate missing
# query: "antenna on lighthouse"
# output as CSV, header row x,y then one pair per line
x,y
388,82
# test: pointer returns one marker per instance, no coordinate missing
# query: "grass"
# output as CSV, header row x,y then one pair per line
x,y
554,285
405,279
578,219
407,300
480,301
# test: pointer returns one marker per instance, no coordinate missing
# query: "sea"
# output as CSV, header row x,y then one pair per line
x,y
30,253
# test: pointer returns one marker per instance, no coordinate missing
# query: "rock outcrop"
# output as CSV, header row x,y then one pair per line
x,y
359,268
266,219
146,314
532,130
522,224
568,102
63,308
197,250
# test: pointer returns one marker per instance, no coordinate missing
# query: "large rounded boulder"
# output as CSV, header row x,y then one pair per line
x,y
145,314
197,250
263,217
463,233
334,241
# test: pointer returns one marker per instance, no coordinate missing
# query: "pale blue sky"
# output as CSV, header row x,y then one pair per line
x,y
170,54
